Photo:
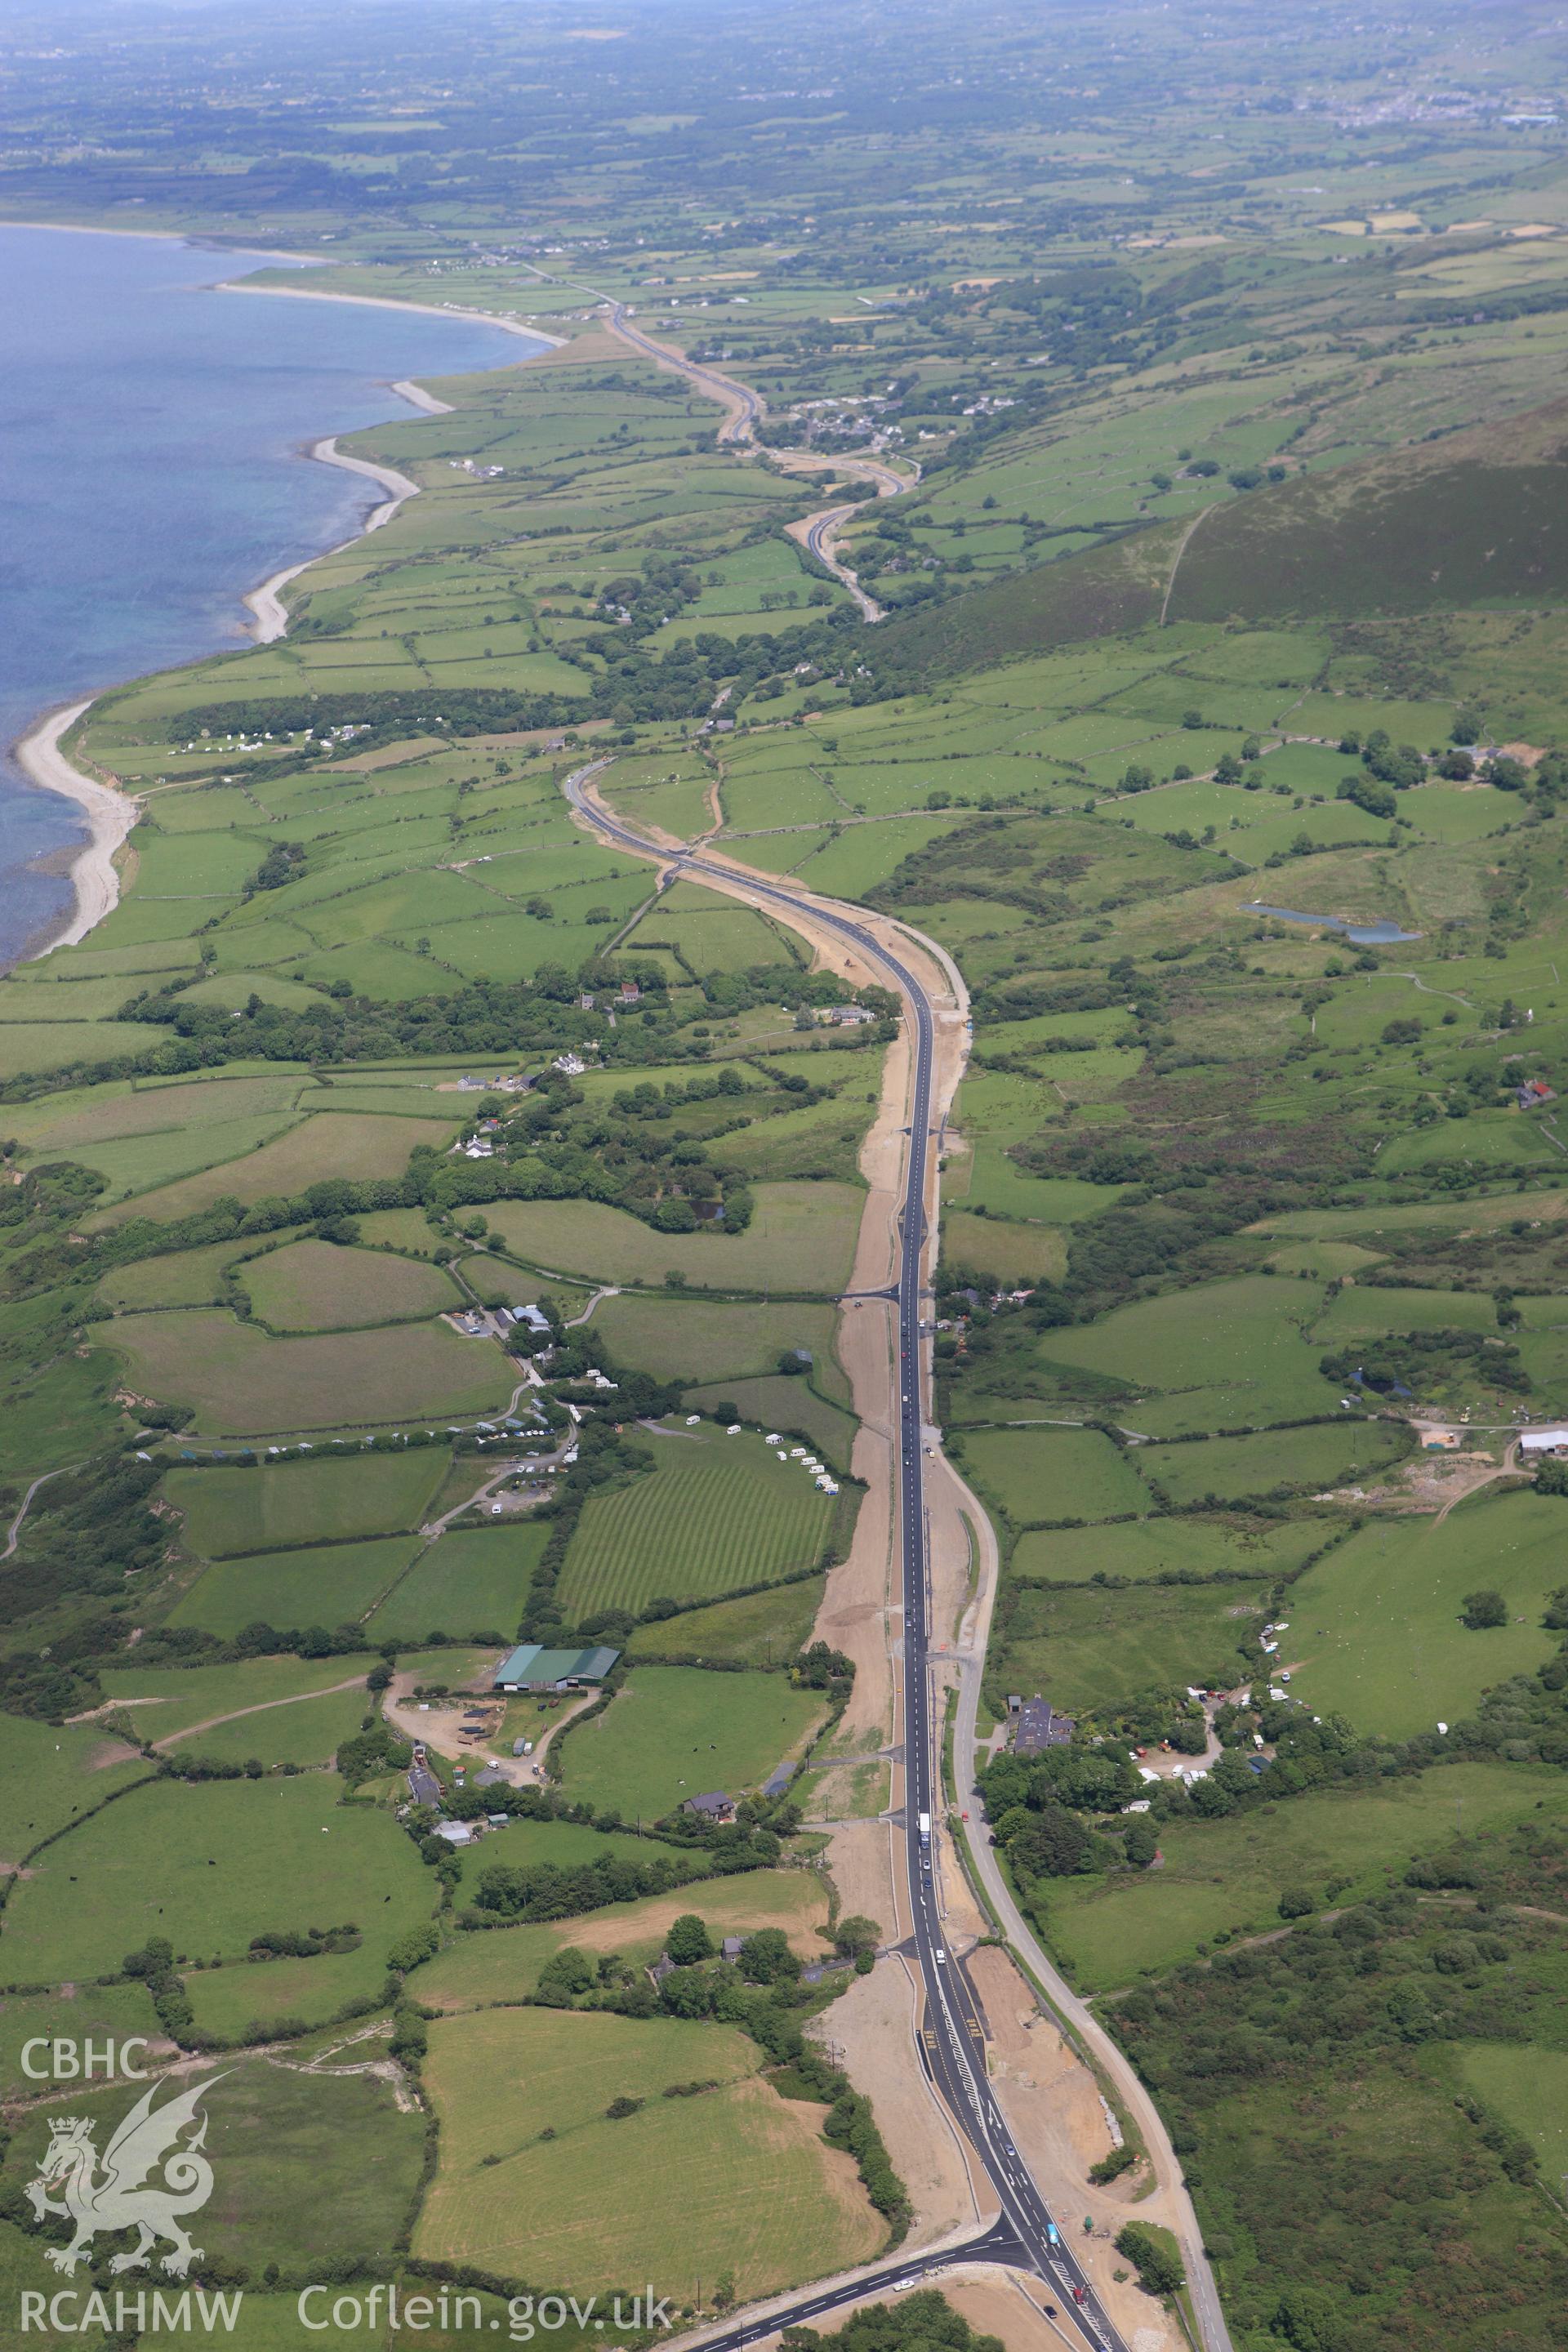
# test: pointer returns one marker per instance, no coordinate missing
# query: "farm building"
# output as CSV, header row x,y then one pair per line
x,y
1538,1442
713,1807
530,1668
1041,1726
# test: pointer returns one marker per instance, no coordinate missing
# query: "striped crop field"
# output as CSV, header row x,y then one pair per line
x,y
714,1515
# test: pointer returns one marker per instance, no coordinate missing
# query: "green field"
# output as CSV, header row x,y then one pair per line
x,y
471,1581
674,1732
1090,1650
715,1513
307,1734
345,1144
150,1865
1067,1473
1230,1874
1376,1631
1223,1353
246,1510
1150,1548
757,1630
1323,1457
802,1237
1364,1313
288,2150
180,1278
314,1287
736,2180
51,1774
1011,1254
713,1343
104,2012
45,1419
244,1384
1528,2086
160,1703
331,1584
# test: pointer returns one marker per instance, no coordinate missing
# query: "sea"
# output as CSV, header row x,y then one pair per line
x,y
153,432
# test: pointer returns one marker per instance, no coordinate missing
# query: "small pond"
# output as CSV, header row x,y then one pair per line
x,y
1360,935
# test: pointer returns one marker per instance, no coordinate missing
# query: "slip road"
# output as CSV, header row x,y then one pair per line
x,y
953,2035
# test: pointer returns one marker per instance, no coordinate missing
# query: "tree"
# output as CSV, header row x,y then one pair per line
x,y
1055,1843
689,1941
766,1958
1141,1843
1308,2319
563,1976
1297,1902
687,1992
1159,2273
1552,1478
1378,798
854,1935
1483,1610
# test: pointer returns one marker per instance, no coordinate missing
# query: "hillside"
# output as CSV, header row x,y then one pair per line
x,y
1477,518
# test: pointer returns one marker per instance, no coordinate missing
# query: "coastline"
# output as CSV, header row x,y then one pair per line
x,y
204,239
396,302
417,397
270,617
110,815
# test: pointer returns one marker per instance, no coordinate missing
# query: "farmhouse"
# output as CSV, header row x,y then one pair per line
x,y
530,1668
713,1807
846,1016
1538,1443
1041,1726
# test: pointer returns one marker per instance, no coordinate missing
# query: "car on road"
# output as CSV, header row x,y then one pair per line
x,y
940,1954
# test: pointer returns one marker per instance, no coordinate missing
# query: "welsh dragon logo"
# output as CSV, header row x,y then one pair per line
x,y
120,2192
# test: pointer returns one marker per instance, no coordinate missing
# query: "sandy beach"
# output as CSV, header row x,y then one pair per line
x,y
110,816
269,617
396,302
417,397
